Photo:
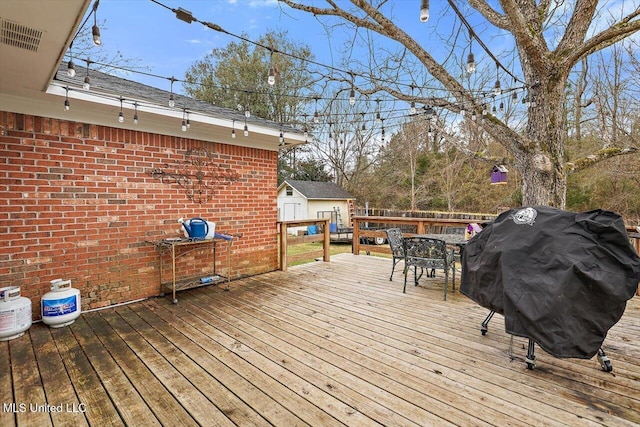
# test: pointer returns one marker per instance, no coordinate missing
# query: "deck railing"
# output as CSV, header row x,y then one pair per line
x,y
368,228
287,240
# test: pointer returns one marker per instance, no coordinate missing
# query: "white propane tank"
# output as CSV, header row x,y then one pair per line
x,y
15,313
61,306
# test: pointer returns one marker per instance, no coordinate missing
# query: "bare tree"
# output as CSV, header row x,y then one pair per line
x,y
550,39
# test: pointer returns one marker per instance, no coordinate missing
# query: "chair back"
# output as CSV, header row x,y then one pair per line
x,y
426,252
394,237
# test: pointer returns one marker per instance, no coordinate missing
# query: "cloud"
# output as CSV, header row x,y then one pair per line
x,y
194,41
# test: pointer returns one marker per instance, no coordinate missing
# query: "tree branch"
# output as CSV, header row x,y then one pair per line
x,y
490,14
597,157
578,25
602,40
528,32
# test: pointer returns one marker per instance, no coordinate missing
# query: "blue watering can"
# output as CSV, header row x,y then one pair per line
x,y
197,228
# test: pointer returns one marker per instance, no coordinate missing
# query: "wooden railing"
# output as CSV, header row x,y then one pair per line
x,y
367,228
287,240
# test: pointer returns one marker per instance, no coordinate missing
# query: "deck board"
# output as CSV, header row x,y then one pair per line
x,y
323,344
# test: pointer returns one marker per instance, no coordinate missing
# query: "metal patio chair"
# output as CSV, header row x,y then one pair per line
x,y
394,237
428,253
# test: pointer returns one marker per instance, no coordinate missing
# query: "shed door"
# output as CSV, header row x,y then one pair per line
x,y
290,211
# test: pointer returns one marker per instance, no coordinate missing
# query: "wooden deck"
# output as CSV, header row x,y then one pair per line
x,y
323,344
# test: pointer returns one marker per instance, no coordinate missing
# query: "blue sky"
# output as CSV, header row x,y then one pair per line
x,y
151,34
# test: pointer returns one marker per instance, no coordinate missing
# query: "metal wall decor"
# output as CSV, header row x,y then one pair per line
x,y
199,174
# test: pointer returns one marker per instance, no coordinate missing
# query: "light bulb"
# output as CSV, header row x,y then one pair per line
x,y
473,116
71,69
67,106
471,63
172,102
87,83
184,126
501,108
120,117
378,118
135,119
281,138
246,130
272,77
352,97
247,112
233,133
462,112
424,11
96,35
316,117
413,107
496,89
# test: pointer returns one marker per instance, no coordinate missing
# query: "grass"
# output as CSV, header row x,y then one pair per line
x,y
334,249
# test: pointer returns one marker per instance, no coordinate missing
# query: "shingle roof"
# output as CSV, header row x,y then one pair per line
x,y
119,86
319,190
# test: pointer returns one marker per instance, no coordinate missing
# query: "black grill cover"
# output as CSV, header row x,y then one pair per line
x,y
559,278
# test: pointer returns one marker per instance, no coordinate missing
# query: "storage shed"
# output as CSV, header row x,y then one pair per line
x,y
312,200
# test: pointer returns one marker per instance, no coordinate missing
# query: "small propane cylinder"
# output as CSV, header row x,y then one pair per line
x,y
61,306
15,313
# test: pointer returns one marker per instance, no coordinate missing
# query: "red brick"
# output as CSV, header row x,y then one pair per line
x,y
91,205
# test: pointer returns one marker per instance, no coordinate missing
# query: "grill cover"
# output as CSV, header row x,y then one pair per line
x,y
559,278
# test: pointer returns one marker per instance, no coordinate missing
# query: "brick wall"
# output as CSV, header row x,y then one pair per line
x,y
77,202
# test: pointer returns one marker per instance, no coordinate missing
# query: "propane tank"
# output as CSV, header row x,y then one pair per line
x,y
15,313
61,306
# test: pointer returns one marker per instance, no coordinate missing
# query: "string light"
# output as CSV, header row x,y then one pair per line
x,y
121,114
172,101
378,116
246,129
95,31
67,106
424,10
471,61
352,97
184,123
281,138
233,129
424,14
316,116
135,113
412,109
71,67
247,111
86,85
188,121
501,107
497,91
272,72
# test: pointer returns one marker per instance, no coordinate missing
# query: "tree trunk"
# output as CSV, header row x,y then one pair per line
x,y
541,160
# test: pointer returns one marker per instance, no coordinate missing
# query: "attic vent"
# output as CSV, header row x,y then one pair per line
x,y
17,35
